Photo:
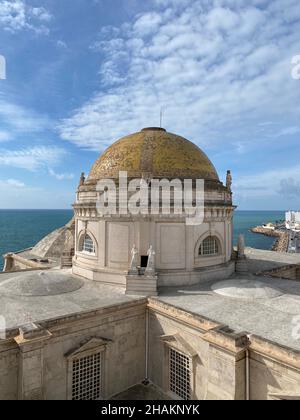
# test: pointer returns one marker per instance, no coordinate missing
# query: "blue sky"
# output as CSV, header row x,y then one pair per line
x,y
81,74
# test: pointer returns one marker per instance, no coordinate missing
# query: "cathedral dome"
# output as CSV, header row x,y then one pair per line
x,y
154,152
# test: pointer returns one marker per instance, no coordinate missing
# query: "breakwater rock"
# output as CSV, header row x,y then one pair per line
x,y
282,237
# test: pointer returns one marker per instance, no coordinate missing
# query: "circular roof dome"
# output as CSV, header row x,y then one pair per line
x,y
43,283
155,152
246,289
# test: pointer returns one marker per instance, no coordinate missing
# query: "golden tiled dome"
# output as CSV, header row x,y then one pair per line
x,y
154,152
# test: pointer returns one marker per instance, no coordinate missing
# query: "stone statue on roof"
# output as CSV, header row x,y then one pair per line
x,y
134,261
150,270
82,179
228,181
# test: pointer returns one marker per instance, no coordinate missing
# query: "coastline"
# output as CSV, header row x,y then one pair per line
x,y
281,237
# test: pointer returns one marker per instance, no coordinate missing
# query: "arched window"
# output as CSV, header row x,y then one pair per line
x,y
210,246
87,244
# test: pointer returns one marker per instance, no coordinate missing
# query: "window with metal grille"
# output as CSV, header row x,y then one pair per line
x,y
209,246
180,374
87,377
88,245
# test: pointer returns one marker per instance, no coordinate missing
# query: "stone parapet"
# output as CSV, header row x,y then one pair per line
x,y
141,285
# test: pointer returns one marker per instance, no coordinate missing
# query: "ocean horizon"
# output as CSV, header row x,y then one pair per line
x,y
22,229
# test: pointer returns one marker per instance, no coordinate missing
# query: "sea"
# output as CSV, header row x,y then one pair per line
x,y
22,229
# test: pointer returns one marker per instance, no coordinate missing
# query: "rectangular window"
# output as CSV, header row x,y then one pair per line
x,y
179,374
209,247
87,377
88,245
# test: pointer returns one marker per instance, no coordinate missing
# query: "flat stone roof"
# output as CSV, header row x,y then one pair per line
x,y
262,260
53,294
264,306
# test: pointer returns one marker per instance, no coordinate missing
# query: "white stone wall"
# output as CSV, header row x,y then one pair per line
x,y
216,372
274,372
176,245
125,355
160,326
220,362
38,368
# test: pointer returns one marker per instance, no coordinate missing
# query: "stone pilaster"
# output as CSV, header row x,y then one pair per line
x,y
31,342
226,365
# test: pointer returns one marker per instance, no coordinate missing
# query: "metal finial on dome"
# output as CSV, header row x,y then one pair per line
x,y
161,116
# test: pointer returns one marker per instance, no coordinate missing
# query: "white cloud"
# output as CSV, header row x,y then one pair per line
x,y
33,158
278,182
219,69
61,177
41,13
12,183
147,24
20,119
61,44
222,19
17,15
288,131
289,188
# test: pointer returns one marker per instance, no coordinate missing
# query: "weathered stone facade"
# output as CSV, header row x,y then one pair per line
x,y
36,364
37,368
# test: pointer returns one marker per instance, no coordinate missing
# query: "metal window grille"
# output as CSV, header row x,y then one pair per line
x,y
87,377
88,244
180,374
209,246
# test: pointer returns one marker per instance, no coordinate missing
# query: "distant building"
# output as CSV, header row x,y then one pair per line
x,y
292,220
269,226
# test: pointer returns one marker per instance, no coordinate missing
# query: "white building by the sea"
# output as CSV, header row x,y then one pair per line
x,y
292,220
